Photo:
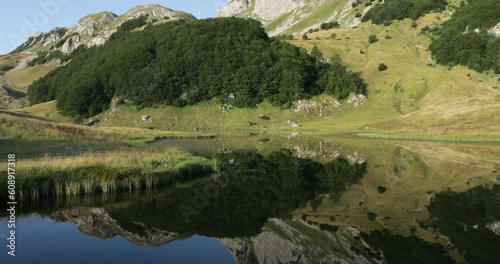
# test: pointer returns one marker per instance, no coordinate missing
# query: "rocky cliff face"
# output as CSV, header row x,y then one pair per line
x,y
281,15
95,29
282,242
234,7
264,9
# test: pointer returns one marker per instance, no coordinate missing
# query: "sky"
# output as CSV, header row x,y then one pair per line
x,y
20,19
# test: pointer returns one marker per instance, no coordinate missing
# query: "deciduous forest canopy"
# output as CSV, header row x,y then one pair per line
x,y
182,63
465,40
401,9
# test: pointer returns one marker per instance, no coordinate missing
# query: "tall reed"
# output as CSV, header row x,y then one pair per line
x,y
109,172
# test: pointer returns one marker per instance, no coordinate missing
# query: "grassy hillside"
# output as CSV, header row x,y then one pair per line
x,y
414,94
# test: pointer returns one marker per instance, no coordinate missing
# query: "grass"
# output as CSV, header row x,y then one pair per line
x,y
449,137
20,79
14,125
126,169
46,110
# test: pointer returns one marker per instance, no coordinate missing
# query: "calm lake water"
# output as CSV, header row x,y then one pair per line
x,y
285,199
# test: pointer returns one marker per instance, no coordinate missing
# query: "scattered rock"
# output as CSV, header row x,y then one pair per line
x,y
292,123
145,118
356,158
494,227
357,100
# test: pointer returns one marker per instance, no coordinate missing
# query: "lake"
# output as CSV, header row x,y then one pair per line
x,y
284,198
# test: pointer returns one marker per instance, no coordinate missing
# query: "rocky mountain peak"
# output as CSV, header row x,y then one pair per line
x,y
95,29
233,8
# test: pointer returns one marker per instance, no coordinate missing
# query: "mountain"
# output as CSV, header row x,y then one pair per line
x,y
295,16
95,29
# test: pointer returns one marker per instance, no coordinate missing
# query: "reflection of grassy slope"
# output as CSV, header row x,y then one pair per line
x,y
399,249
411,172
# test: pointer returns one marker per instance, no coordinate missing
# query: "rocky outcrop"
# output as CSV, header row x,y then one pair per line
x,y
280,15
494,227
233,8
282,242
495,31
264,9
267,11
42,39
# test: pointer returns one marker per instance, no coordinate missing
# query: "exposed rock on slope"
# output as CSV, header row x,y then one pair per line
x,y
234,7
288,16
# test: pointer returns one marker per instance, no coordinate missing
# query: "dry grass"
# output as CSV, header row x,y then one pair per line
x,y
27,127
20,79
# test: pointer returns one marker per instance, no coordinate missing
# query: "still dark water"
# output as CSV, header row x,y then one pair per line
x,y
285,200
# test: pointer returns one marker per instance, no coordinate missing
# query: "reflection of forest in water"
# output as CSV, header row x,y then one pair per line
x,y
272,206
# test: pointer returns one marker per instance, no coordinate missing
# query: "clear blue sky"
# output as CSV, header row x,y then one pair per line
x,y
21,18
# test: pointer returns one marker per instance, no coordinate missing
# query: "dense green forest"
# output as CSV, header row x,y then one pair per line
x,y
183,63
465,40
401,9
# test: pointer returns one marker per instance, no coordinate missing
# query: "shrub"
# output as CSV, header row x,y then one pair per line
x,y
372,39
382,67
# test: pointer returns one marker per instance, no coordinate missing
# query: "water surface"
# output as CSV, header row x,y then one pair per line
x,y
286,199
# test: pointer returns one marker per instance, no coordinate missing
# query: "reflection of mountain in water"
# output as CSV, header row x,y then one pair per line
x,y
97,222
251,189
277,208
294,241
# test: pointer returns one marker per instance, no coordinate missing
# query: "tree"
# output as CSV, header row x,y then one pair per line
x,y
316,53
305,37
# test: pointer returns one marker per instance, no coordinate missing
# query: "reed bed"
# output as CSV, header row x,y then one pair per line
x,y
126,169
